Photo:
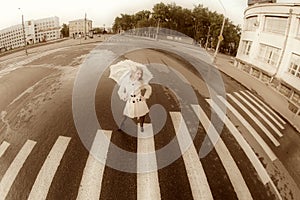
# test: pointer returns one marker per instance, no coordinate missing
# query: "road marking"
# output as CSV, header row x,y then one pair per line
x,y
252,131
260,115
234,174
267,107
261,171
263,109
43,181
14,168
196,175
262,127
147,179
90,185
3,147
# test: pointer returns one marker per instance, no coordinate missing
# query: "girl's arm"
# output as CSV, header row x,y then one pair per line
x,y
122,92
148,91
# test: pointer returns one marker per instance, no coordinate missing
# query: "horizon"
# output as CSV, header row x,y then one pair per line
x,y
103,15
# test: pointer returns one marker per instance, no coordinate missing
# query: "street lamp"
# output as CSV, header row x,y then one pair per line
x,y
24,37
85,26
157,29
220,38
207,37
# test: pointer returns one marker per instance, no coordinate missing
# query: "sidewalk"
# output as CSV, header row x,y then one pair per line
x,y
52,45
270,96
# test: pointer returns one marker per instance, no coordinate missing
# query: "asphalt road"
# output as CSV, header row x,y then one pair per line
x,y
51,147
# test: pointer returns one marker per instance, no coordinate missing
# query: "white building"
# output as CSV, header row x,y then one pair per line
x,y
270,47
47,29
35,31
80,27
11,37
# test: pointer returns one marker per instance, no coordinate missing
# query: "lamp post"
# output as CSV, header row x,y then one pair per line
x,y
220,38
157,29
24,37
85,26
207,38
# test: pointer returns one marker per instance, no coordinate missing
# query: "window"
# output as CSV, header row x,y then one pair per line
x,y
251,23
268,54
294,68
275,24
286,91
255,73
296,98
246,46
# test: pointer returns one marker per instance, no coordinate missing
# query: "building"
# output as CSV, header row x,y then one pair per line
x,y
35,31
80,27
47,29
269,48
11,38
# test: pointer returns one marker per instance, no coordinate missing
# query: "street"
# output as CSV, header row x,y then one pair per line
x,y
59,103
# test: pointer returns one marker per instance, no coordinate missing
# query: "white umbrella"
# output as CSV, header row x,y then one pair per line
x,y
123,69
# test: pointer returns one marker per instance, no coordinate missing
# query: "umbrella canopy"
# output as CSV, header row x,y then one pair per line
x,y
124,68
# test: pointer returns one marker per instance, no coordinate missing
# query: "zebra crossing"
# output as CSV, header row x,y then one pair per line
x,y
13,170
148,184
3,147
90,185
196,175
227,160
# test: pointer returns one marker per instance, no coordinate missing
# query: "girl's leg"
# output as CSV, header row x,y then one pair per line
x,y
142,120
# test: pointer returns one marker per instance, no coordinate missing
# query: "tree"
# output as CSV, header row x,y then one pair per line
x,y
65,30
200,23
97,30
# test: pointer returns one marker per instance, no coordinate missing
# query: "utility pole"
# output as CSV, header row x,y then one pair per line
x,y
85,26
220,38
24,37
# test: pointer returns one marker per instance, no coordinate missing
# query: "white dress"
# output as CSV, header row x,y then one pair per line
x,y
130,91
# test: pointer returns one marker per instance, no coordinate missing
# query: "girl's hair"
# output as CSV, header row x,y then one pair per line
x,y
138,69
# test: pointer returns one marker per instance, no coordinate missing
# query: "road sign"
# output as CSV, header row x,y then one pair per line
x,y
220,37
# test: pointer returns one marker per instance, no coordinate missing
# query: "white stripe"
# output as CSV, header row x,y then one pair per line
x,y
14,168
90,185
261,115
147,179
263,109
265,130
196,175
253,132
43,181
261,171
267,107
227,160
3,147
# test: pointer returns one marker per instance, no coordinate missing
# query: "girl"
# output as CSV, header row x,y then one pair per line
x,y
131,91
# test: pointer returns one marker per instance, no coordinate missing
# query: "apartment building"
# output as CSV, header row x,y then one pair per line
x,y
80,27
35,31
47,29
269,47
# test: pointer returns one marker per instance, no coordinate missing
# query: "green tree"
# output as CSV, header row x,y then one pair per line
x,y
142,19
97,30
199,23
65,30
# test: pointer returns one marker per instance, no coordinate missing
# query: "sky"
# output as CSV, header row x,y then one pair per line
x,y
103,12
